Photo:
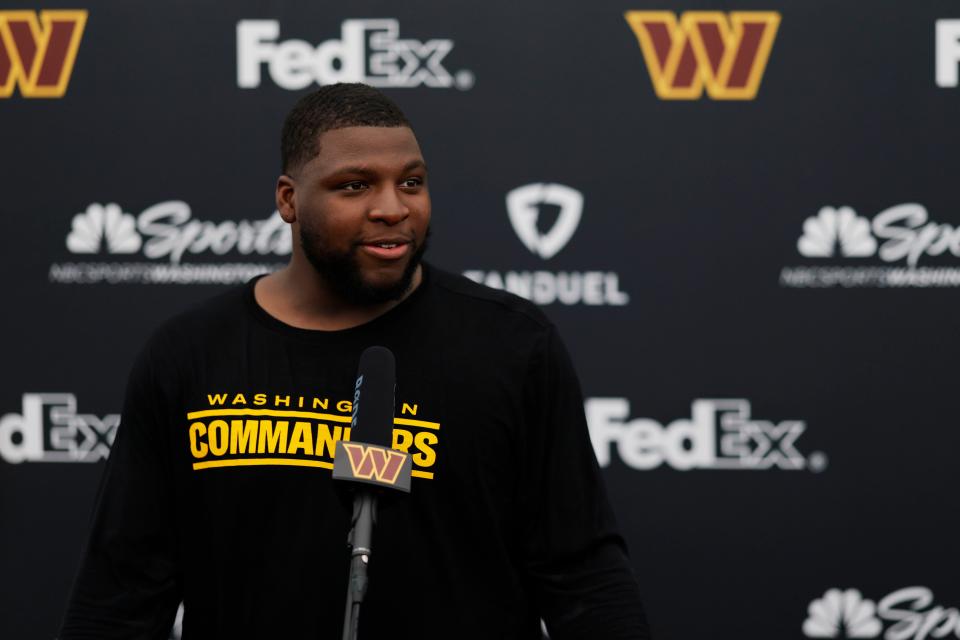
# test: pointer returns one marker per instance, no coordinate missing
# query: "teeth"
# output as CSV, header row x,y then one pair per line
x,y
387,245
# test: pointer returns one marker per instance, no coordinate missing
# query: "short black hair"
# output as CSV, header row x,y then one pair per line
x,y
334,106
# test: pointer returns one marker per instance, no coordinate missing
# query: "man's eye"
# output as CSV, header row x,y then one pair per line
x,y
411,183
356,185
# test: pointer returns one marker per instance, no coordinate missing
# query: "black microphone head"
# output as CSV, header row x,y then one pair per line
x,y
368,458
373,397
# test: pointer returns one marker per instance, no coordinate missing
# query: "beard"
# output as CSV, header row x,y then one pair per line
x,y
341,271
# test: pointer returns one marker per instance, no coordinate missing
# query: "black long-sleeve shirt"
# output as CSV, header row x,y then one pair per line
x,y
218,489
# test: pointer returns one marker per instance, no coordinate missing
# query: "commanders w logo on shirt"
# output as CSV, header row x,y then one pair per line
x,y
39,55
705,50
261,429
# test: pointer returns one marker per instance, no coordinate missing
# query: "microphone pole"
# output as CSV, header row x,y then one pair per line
x,y
359,542
369,460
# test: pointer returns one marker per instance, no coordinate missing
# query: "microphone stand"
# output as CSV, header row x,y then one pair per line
x,y
361,530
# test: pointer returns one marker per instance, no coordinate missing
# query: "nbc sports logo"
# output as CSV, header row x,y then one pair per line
x,y
38,55
167,230
705,50
911,612
898,247
906,232
108,227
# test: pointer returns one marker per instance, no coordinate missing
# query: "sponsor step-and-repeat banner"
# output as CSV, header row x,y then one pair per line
x,y
742,217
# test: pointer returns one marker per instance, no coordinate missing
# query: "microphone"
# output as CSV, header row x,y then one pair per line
x,y
368,462
368,457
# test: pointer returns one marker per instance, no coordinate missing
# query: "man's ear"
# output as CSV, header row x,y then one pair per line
x,y
286,203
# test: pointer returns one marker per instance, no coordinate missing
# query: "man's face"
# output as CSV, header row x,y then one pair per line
x,y
363,211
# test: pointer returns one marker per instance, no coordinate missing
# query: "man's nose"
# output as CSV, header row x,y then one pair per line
x,y
389,208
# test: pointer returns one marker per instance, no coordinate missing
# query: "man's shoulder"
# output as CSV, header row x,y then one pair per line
x,y
217,315
485,303
172,347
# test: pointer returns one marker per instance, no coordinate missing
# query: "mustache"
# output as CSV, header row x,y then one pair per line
x,y
412,239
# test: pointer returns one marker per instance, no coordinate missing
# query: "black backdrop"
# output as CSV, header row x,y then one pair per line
x,y
764,336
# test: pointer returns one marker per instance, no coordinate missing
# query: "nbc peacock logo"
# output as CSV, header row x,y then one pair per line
x,y
834,231
104,226
842,614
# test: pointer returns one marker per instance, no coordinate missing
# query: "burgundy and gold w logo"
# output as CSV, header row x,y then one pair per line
x,y
374,462
705,50
38,55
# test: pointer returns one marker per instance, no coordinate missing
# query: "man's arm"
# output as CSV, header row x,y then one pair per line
x,y
574,553
127,586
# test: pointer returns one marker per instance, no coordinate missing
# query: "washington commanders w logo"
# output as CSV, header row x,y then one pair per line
x,y
705,50
371,463
38,55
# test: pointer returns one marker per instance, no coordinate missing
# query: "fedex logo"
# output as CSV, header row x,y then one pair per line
x,y
374,463
720,434
37,52
948,52
368,51
49,429
705,50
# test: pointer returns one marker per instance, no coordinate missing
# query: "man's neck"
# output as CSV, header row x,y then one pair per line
x,y
299,296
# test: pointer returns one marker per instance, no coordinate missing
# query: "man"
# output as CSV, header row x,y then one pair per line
x,y
218,489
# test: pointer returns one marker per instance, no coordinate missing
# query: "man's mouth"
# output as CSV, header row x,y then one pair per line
x,y
387,249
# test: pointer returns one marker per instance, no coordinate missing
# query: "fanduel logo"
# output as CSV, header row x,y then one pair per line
x,y
38,55
49,429
368,51
705,50
166,231
948,52
524,209
900,234
847,614
720,434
